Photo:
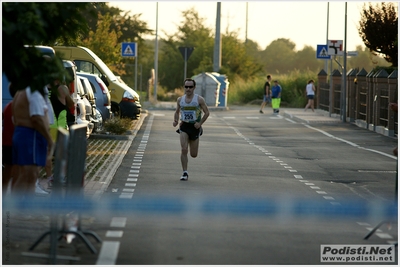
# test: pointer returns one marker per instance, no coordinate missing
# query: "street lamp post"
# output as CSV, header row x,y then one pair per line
x,y
156,57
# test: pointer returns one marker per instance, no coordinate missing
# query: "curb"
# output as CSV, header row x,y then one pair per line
x,y
107,177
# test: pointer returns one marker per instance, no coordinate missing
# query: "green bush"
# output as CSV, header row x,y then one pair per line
x,y
117,125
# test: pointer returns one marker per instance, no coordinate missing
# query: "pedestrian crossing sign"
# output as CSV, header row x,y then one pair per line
x,y
129,49
322,52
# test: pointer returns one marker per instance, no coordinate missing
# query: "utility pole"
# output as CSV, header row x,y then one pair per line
x,y
156,57
344,74
327,38
217,43
247,15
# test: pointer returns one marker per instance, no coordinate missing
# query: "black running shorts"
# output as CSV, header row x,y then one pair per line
x,y
191,131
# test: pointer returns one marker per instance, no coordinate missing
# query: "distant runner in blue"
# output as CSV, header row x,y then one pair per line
x,y
276,96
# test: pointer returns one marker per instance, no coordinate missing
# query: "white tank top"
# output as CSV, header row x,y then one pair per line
x,y
309,89
190,112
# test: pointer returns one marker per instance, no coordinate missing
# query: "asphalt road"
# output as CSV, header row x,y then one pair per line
x,y
264,190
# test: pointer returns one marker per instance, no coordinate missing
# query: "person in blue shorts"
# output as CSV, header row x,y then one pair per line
x,y
189,110
32,142
267,93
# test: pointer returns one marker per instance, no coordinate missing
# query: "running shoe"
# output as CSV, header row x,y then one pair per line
x,y
185,176
39,190
261,111
50,182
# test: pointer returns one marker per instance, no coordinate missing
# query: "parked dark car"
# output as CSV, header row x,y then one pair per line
x,y
101,93
130,106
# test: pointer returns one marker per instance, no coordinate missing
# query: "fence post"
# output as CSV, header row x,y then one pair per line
x,y
336,91
381,100
370,99
393,97
361,95
351,94
77,147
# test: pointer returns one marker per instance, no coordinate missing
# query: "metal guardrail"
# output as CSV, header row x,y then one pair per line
x,y
69,170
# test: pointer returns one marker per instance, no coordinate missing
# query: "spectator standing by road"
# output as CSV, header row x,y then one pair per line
x,y
32,142
267,93
310,92
189,109
276,92
9,170
61,102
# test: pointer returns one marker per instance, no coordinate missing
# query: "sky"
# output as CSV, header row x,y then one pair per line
x,y
303,22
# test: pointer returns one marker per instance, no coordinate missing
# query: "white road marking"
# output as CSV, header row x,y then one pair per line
x,y
131,180
118,222
130,184
384,235
126,195
108,253
290,120
114,233
128,190
351,143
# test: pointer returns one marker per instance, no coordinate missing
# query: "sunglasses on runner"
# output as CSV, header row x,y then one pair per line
x,y
189,86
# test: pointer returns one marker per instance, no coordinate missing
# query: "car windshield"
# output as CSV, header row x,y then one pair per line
x,y
102,65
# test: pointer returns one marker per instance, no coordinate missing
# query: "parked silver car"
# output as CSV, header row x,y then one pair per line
x,y
101,93
92,114
81,107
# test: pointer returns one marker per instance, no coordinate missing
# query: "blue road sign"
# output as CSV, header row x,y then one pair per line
x,y
322,52
129,49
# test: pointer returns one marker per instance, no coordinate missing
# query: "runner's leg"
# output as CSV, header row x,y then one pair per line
x,y
184,138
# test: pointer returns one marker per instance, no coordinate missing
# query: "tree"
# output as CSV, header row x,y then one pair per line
x,y
129,28
104,42
235,61
378,29
305,59
31,23
365,59
278,56
193,33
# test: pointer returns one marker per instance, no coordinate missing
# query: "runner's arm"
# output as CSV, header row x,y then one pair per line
x,y
177,111
204,107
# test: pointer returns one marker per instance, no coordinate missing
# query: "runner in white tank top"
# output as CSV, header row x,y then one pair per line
x,y
189,110
310,91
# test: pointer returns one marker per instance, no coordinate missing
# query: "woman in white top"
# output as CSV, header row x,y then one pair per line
x,y
310,91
